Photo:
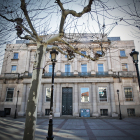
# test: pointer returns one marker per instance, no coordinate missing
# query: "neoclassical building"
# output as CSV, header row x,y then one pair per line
x,y
78,83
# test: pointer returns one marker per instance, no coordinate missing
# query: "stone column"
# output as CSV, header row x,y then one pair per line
x,y
75,66
23,102
109,62
112,101
92,64
57,108
95,107
28,60
75,104
58,65
39,107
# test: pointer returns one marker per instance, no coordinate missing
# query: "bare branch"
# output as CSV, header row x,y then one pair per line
x,y
23,7
11,20
27,37
87,56
60,4
65,12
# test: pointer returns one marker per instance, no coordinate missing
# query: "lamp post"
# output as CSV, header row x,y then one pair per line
x,y
50,125
16,106
134,54
120,115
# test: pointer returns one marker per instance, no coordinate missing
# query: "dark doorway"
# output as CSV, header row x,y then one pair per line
x,y
7,111
67,101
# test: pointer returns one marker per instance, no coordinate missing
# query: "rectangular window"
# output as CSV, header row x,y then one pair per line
x,y
14,68
15,56
67,68
128,94
83,67
48,94
100,68
122,53
83,52
50,56
124,67
102,93
47,111
131,112
99,52
10,93
84,94
50,68
104,112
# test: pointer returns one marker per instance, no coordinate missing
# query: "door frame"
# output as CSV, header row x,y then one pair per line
x,y
71,98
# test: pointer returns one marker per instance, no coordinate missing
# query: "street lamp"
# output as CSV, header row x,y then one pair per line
x,y
50,125
16,106
134,54
120,115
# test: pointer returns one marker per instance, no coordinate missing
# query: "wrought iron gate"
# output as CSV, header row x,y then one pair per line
x,y
67,101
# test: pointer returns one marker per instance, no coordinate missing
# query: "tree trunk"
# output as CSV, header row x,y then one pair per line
x,y
31,111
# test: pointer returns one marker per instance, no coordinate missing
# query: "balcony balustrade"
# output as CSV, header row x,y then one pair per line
x,y
67,74
103,73
84,73
71,74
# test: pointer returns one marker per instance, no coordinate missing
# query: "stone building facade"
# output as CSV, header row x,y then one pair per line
x,y
78,84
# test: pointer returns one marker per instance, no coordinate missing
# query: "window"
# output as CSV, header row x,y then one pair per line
x,y
67,68
99,52
104,112
48,94
83,52
100,68
122,53
84,94
83,67
50,68
9,96
124,67
47,111
14,68
15,56
50,56
128,94
102,93
131,112
7,111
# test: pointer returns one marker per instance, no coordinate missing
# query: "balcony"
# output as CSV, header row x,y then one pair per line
x,y
83,74
125,74
67,74
103,73
11,75
71,74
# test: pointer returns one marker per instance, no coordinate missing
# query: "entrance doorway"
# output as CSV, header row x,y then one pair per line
x,y
67,101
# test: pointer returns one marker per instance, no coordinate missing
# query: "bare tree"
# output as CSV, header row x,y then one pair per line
x,y
130,15
27,20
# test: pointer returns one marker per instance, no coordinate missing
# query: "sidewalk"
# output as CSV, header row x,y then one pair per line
x,y
74,129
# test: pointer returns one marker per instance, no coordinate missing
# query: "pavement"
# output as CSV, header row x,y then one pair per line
x,y
74,128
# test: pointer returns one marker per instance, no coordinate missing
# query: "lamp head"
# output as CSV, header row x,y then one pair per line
x,y
134,54
53,55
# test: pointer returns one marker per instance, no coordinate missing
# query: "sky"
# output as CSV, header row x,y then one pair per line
x,y
86,24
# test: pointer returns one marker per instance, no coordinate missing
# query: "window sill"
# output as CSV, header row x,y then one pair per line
x,y
14,59
123,57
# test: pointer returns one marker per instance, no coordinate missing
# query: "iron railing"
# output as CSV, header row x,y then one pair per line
x,y
103,73
49,74
67,74
84,73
